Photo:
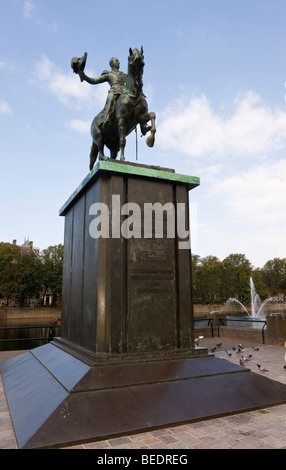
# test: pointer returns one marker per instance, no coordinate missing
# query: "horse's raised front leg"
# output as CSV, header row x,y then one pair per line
x,y
151,139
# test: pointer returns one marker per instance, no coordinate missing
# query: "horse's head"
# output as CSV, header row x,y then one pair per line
x,y
136,59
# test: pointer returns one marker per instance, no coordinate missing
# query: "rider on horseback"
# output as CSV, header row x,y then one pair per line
x,y
116,80
125,107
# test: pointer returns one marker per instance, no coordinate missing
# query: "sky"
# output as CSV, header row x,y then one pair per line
x,y
215,74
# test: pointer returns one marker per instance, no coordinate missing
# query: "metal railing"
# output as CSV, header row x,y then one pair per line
x,y
49,337
246,320
221,322
210,323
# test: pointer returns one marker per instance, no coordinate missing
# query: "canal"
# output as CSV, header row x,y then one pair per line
x,y
26,334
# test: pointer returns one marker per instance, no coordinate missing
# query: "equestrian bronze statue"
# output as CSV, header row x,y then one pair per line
x,y
125,106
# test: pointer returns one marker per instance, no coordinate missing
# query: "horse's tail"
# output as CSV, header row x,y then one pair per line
x,y
93,155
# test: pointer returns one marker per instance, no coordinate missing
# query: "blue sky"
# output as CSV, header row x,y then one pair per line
x,y
215,73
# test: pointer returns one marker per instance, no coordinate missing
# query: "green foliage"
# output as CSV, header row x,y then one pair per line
x,y
216,281
8,269
206,279
274,275
20,277
24,276
236,274
261,288
52,269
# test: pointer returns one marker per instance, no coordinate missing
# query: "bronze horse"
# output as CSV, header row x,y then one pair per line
x,y
130,109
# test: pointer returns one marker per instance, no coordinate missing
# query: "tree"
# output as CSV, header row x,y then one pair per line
x,y
20,274
260,286
207,279
274,275
29,280
8,276
52,271
236,273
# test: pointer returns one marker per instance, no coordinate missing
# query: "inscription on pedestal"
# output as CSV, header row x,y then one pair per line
x,y
151,295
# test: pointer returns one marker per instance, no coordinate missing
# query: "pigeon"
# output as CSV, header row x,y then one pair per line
x,y
213,349
197,340
249,356
228,352
240,350
262,368
241,362
219,345
255,348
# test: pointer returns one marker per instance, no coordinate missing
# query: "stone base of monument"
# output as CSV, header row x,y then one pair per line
x,y
126,360
56,399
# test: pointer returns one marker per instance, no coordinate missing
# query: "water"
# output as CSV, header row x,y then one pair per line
x,y
256,306
23,338
238,322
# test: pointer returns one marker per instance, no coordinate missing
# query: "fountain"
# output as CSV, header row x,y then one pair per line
x,y
256,304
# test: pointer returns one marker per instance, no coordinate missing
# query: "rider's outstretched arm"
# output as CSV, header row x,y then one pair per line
x,y
94,81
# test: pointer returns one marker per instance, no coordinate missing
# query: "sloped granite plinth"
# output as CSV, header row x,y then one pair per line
x,y
56,399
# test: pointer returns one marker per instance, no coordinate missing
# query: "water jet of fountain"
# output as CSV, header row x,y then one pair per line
x,y
232,300
256,305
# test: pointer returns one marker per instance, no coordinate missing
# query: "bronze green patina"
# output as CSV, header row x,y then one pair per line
x,y
150,172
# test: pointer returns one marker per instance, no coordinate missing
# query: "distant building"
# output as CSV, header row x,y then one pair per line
x,y
28,247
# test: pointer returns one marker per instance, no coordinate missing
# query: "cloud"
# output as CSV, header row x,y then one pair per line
x,y
28,9
30,13
194,128
239,154
5,108
67,88
82,127
6,65
257,196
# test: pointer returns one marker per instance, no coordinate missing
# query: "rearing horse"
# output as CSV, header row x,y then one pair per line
x,y
131,108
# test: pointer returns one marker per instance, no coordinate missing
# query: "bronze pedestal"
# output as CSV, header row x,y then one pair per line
x,y
127,296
